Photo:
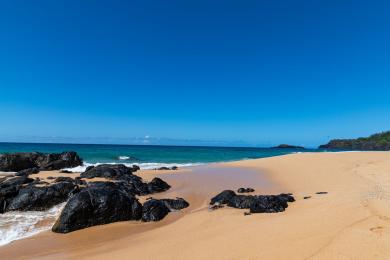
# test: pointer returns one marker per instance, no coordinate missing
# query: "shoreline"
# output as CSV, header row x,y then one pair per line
x,y
356,209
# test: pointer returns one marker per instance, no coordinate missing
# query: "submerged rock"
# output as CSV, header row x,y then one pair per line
x,y
100,203
256,204
52,161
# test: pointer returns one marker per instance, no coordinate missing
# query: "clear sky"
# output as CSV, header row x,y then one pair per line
x,y
226,72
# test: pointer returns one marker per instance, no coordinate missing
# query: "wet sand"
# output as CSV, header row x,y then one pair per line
x,y
352,221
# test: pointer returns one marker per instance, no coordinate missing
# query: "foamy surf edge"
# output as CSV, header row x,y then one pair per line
x,y
143,166
15,225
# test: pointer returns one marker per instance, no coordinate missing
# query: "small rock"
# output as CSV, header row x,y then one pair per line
x,y
306,197
322,192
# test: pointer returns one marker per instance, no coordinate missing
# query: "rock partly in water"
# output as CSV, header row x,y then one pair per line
x,y
41,198
53,161
100,203
9,188
287,146
256,204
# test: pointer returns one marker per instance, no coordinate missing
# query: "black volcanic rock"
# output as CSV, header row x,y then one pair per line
x,y
27,172
223,198
109,171
176,204
40,198
245,190
52,161
256,204
287,146
154,210
158,185
376,142
9,188
100,203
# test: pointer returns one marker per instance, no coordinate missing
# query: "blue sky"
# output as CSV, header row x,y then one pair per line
x,y
225,72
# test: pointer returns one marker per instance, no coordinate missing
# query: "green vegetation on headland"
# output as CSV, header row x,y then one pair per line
x,y
375,142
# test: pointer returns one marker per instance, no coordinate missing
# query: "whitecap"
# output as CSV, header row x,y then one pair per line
x,y
143,166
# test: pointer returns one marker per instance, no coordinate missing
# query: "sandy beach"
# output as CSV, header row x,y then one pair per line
x,y
351,221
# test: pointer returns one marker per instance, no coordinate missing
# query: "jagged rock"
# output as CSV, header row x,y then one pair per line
x,y
66,171
27,172
89,168
256,204
100,203
39,198
53,161
245,190
66,179
154,210
158,185
223,198
176,204
109,171
9,188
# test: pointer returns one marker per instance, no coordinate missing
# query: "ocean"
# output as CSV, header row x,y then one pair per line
x,y
148,156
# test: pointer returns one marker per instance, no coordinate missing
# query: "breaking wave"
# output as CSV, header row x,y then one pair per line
x,y
143,166
16,225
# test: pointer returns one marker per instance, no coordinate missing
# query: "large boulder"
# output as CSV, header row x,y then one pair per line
x,y
53,161
256,204
40,198
158,185
109,171
154,210
9,188
27,172
176,204
223,197
100,203
125,174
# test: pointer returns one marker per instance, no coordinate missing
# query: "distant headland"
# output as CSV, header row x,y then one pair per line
x,y
375,142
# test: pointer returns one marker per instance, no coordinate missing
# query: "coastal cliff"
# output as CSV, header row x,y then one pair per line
x,y
375,142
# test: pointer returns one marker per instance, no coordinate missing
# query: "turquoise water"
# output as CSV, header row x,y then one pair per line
x,y
150,156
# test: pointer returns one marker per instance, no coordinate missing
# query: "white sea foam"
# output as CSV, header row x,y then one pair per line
x,y
16,225
143,166
123,157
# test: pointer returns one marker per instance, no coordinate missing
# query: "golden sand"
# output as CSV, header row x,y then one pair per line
x,y
352,221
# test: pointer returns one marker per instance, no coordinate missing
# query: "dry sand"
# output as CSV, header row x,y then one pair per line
x,y
352,221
